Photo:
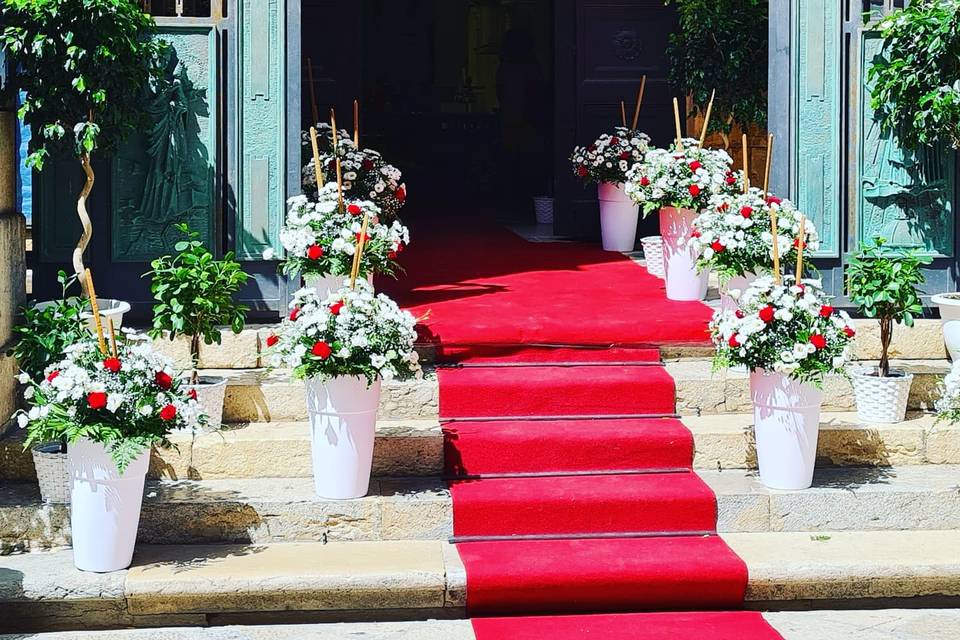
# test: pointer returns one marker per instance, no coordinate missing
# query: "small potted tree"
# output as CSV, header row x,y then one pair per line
x,y
82,67
194,294
883,284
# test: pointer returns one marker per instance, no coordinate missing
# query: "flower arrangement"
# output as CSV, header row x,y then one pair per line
x,y
127,400
351,333
733,237
787,328
610,157
948,405
685,179
321,239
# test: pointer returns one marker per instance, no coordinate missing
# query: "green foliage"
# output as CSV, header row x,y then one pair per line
x,y
916,77
45,332
84,65
194,293
722,45
883,284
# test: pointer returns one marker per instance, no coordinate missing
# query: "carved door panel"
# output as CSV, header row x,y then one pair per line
x,y
603,47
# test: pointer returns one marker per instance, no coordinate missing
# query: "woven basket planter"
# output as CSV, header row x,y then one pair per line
x,y
52,474
880,400
543,209
653,253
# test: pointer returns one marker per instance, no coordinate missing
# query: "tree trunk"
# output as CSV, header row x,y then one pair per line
x,y
84,220
195,358
886,335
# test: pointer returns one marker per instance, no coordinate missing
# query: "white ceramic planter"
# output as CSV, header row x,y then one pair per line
x,y
325,285
738,283
210,394
880,400
653,254
109,308
618,217
53,477
105,506
786,422
343,425
949,305
679,259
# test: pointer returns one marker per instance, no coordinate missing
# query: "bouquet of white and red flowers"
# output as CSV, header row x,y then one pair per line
x,y
685,179
320,238
788,328
610,157
351,333
126,401
733,236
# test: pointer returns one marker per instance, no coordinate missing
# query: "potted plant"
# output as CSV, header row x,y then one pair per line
x,y
82,68
606,162
343,346
111,405
320,239
679,183
42,337
883,284
195,297
732,238
789,337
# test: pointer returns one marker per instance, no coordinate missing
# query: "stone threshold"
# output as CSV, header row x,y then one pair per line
x,y
192,585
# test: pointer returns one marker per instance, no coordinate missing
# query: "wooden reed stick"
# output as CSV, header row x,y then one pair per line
x,y
801,237
776,249
636,111
113,338
356,124
313,93
358,255
317,169
623,113
766,170
706,118
333,126
746,165
95,310
339,185
676,121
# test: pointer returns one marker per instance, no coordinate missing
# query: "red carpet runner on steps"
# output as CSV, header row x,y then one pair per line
x,y
576,510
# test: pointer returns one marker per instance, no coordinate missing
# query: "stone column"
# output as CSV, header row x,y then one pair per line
x,y
12,258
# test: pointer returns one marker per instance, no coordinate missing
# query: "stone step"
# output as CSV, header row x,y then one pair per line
x,y
858,624
269,510
350,581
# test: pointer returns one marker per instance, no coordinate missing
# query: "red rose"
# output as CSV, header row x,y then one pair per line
x,y
592,148
272,340
582,171
849,331
766,314
367,164
803,288
112,365
695,165
192,394
52,376
818,341
644,181
614,140
96,400
625,155
163,379
400,247
733,342
694,190
354,210
401,194
731,180
826,311
168,413
321,349
695,233
392,255
716,246
739,313
746,212
773,200
723,206
332,165
336,307
796,243
314,252
366,237
294,313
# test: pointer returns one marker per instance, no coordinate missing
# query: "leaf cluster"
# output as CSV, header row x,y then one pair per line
x,y
883,282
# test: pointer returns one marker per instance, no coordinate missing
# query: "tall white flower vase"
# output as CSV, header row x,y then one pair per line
x,y
618,217
949,305
325,285
679,258
739,283
343,425
786,422
104,506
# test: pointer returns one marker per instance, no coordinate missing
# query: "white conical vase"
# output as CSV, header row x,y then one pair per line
x,y
618,217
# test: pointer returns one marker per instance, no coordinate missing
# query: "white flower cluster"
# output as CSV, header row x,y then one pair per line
x,y
788,328
352,332
948,405
684,179
610,157
733,235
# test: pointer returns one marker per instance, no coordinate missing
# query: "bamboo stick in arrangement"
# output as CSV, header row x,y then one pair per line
x,y
623,113
636,110
766,170
313,93
776,248
746,165
801,237
336,156
676,122
706,118
358,254
113,338
95,310
356,124
317,169
339,185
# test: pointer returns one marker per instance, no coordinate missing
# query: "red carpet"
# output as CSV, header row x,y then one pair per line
x,y
572,486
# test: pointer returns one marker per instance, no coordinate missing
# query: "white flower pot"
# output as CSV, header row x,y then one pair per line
x,y
653,254
679,258
786,422
210,395
880,400
325,285
343,425
737,283
53,477
618,217
949,305
109,308
105,506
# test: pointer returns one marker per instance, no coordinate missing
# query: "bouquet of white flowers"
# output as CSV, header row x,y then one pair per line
x,y
610,157
321,239
787,328
685,179
948,406
732,235
351,333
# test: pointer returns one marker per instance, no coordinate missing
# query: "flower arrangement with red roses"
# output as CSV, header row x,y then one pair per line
x,y
610,157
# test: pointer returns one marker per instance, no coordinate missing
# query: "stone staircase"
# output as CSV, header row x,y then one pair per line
x,y
232,534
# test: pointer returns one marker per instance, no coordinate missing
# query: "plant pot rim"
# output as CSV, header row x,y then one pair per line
x,y
946,299
869,372
205,381
108,305
40,446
